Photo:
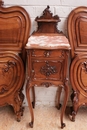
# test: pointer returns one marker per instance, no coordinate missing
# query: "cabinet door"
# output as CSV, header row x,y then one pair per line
x,y
48,69
11,73
78,74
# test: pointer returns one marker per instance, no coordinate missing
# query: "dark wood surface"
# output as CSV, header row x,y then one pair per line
x,y
14,32
77,30
47,58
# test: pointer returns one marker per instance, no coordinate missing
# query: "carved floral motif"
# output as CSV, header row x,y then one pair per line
x,y
46,84
47,53
18,98
75,99
84,65
8,65
48,70
3,87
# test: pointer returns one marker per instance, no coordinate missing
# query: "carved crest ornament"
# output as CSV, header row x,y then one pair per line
x,y
1,3
48,18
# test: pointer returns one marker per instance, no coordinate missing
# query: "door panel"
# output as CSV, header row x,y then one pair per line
x,y
43,69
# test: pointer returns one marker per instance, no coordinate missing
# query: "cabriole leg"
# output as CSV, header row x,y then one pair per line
x,y
74,109
59,94
30,104
33,94
66,88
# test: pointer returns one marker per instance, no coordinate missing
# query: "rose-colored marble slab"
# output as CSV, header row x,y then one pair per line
x,y
46,42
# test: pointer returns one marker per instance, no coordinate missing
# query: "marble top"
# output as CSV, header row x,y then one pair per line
x,y
47,42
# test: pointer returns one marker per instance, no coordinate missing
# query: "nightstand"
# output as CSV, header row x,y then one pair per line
x,y
47,58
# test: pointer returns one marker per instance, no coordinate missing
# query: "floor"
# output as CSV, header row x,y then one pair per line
x,y
46,118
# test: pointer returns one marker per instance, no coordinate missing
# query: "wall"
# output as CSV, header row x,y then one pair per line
x,y
47,96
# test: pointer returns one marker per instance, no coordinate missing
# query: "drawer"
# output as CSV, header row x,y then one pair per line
x,y
51,70
47,53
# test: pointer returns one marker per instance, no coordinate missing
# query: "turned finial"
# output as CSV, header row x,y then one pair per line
x,y
1,3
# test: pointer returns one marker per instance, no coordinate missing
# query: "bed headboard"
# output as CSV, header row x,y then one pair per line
x,y
77,30
14,28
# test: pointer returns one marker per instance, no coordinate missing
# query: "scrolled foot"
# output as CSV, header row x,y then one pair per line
x,y
72,114
18,120
22,110
59,106
63,125
71,118
18,116
31,124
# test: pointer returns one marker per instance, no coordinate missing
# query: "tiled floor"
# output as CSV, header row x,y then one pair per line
x,y
46,118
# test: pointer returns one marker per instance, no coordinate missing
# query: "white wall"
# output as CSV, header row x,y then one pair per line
x,y
47,96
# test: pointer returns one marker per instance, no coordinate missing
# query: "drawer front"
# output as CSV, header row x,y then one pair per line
x,y
47,53
53,70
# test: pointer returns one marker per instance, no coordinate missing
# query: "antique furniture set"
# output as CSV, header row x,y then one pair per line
x,y
47,51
